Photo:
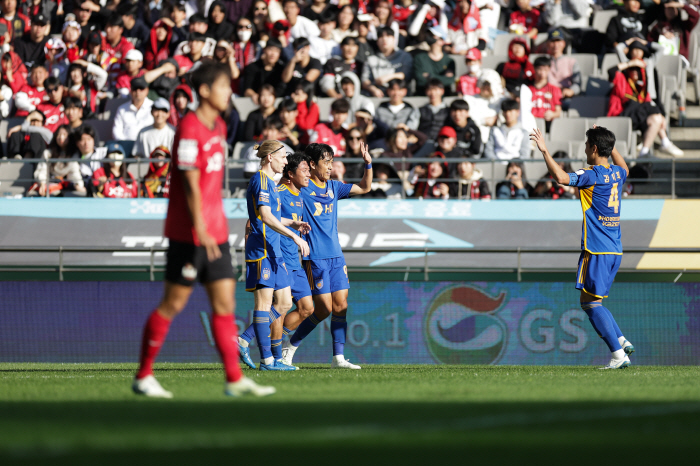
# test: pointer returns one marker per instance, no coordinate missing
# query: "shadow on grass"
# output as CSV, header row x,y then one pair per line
x,y
337,433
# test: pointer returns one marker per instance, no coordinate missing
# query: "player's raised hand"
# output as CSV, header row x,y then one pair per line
x,y
538,137
301,227
364,148
303,245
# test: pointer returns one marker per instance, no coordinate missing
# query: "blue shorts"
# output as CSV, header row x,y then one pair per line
x,y
327,275
596,273
300,284
266,273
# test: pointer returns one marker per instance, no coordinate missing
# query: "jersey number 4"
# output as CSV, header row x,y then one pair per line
x,y
614,200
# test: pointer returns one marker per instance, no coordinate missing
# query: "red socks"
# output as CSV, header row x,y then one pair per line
x,y
226,338
153,337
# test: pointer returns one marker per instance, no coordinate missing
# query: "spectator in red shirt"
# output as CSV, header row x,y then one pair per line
x,y
468,82
158,48
333,133
32,94
112,179
517,70
307,109
20,23
115,45
196,46
524,19
53,109
14,73
546,97
133,68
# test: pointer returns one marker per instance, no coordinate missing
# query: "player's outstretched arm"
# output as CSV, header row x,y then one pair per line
x,y
555,170
366,183
619,161
271,221
194,203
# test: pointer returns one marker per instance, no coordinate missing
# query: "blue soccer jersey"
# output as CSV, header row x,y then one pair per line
x,y
599,186
292,208
321,212
263,242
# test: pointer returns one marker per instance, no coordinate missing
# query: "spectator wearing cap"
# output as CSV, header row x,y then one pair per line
x,y
301,67
509,140
323,47
267,70
299,26
56,62
333,133
446,142
388,64
53,109
468,83
112,180
32,93
336,68
160,133
564,71
30,47
135,31
434,64
468,133
135,115
197,24
93,50
219,27
373,131
133,68
434,114
19,22
156,182
524,19
195,52
345,24
350,87
396,112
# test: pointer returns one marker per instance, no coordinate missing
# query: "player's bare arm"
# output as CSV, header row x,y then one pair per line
x,y
270,220
555,170
365,183
619,161
194,204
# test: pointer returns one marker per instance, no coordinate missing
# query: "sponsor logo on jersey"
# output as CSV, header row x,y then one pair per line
x,y
189,272
462,326
266,273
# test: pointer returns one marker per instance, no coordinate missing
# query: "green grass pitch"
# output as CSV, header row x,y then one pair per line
x,y
431,415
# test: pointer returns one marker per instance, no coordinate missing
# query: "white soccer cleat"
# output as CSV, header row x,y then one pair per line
x,y
672,150
618,364
246,386
288,351
627,347
339,362
149,386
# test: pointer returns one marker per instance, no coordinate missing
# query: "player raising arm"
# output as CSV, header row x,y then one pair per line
x,y
266,272
325,268
198,233
295,177
601,245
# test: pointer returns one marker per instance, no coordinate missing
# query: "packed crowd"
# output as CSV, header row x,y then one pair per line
x,y
64,61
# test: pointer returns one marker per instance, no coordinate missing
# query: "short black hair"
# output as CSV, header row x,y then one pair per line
x,y
36,66
115,19
348,40
293,162
459,104
291,1
543,61
43,117
273,122
340,106
347,80
603,139
435,82
52,81
301,43
316,151
396,82
197,18
208,73
287,104
128,9
510,104
85,129
72,102
327,16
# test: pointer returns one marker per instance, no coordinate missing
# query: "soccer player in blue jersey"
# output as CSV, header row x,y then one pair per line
x,y
295,177
266,273
599,185
325,267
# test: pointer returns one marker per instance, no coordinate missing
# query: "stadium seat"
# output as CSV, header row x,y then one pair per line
x,y
601,19
16,177
5,126
103,128
138,169
491,62
595,86
609,60
460,65
588,106
568,129
621,126
111,108
578,150
240,149
588,62
555,146
244,105
500,45
536,170
542,126
417,101
324,108
540,40
535,56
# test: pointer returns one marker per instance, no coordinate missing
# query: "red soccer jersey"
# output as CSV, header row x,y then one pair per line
x,y
528,19
545,99
402,13
197,147
324,134
55,115
35,98
467,85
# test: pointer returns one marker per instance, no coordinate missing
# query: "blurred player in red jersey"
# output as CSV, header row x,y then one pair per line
x,y
198,234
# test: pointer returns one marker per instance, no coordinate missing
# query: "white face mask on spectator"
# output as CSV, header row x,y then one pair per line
x,y
474,69
244,36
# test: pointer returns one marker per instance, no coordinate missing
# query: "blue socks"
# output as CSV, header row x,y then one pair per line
x,y
276,346
339,327
604,324
249,333
304,329
261,325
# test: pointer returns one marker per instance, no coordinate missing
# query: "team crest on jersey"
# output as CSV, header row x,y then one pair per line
x,y
266,274
189,272
319,284
330,194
